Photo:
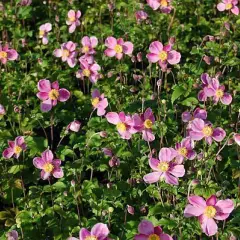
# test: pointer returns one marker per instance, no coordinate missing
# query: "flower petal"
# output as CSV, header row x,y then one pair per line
x,y
64,95
100,230
152,177
146,227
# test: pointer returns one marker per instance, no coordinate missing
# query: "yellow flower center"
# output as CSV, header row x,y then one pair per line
x,y
72,19
219,93
228,6
65,53
207,131
85,49
95,101
17,149
118,48
48,167
210,211
3,54
91,238
163,166
163,55
153,237
148,123
86,72
41,33
53,94
121,127
183,151
164,3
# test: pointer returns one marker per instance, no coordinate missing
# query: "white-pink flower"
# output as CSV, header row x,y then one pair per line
x,y
68,53
99,102
117,47
88,45
89,71
229,5
43,32
73,20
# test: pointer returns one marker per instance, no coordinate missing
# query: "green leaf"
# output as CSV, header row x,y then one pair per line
x,y
189,101
16,168
178,91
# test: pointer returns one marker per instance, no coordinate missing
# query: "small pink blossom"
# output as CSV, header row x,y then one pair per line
x,y
99,231
99,102
163,5
43,32
163,55
147,231
165,168
207,90
7,54
26,2
208,211
67,52
15,148
2,110
13,235
88,70
141,16
198,113
73,20
48,165
229,5
50,94
124,124
117,47
219,94
88,45
144,124
200,130
185,150
236,138
74,126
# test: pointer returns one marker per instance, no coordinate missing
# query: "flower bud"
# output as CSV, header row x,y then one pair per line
x,y
74,126
2,110
103,134
110,209
73,183
130,209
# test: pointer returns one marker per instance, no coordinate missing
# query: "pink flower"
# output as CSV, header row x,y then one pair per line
x,y
88,70
48,165
26,2
219,94
165,168
15,148
73,20
207,90
236,138
99,231
2,110
74,126
124,124
130,209
185,150
43,32
117,47
67,53
147,231
13,235
141,16
7,54
50,94
200,130
99,102
164,5
230,5
207,211
89,44
163,54
198,113
144,124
